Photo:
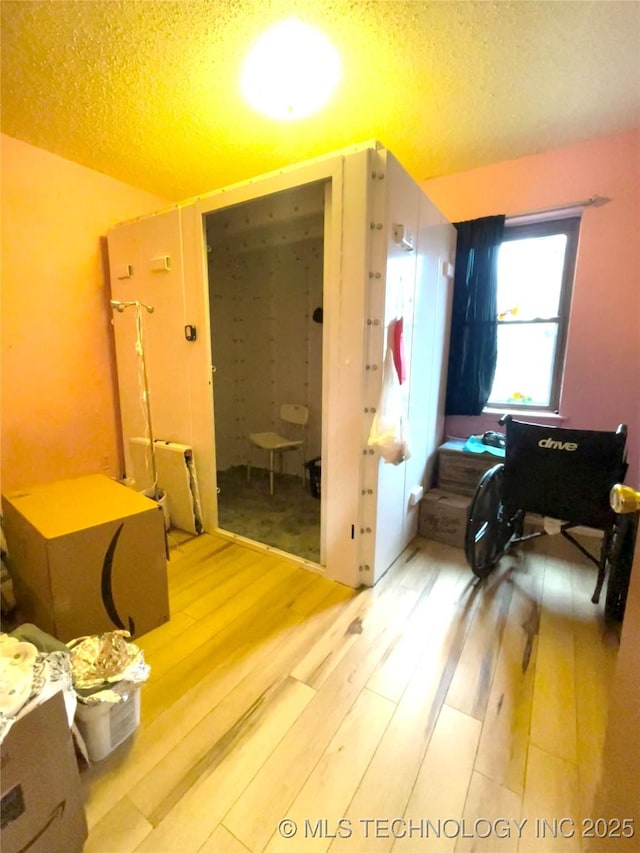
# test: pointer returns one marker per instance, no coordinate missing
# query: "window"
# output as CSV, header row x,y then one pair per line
x,y
535,273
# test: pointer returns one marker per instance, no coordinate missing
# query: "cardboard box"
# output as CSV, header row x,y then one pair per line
x,y
443,517
86,556
459,471
42,807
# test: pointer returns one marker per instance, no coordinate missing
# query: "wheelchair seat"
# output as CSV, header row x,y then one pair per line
x,y
565,474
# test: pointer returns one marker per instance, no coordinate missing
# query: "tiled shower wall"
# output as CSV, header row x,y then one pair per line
x,y
267,349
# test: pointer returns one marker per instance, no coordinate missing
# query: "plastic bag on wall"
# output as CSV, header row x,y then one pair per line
x,y
389,432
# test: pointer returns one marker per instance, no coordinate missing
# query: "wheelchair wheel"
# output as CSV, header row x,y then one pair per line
x,y
619,561
488,532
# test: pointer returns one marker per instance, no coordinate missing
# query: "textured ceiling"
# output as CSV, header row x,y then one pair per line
x,y
148,91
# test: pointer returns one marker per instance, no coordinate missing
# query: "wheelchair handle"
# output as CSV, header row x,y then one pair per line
x,y
621,429
624,499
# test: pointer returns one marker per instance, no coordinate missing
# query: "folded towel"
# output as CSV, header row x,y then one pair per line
x,y
475,444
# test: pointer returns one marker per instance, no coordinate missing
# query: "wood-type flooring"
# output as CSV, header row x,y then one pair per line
x,y
429,713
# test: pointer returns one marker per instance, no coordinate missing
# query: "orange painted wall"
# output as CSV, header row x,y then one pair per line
x,y
59,411
602,372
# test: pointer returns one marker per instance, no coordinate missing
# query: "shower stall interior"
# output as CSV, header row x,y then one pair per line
x,y
265,287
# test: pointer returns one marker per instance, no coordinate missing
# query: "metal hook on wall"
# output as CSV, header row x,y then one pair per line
x,y
120,306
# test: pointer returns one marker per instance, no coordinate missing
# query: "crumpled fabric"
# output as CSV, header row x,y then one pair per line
x,y
102,661
29,633
475,444
17,660
50,672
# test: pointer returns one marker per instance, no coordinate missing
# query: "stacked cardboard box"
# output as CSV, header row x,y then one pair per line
x,y
42,801
444,509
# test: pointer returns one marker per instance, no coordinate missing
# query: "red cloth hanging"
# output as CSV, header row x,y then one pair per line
x,y
396,342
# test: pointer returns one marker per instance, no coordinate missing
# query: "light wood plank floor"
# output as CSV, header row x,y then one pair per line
x,y
428,713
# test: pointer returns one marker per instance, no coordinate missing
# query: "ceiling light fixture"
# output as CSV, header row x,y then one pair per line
x,y
291,72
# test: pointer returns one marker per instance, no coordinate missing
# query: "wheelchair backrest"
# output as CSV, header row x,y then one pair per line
x,y
563,473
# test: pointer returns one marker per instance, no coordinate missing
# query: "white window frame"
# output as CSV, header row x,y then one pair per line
x,y
519,228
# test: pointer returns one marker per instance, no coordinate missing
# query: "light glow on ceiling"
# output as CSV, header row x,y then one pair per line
x,y
291,72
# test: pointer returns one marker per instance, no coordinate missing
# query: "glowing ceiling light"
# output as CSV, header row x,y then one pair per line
x,y
291,72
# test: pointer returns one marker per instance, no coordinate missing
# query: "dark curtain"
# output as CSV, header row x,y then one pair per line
x,y
474,328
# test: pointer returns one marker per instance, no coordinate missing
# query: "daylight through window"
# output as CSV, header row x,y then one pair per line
x,y
535,273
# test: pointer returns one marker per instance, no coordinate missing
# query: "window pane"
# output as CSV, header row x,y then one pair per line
x,y
525,364
530,277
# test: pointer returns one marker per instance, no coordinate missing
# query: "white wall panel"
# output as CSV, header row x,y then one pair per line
x,y
197,361
328,242
411,287
394,481
137,244
436,256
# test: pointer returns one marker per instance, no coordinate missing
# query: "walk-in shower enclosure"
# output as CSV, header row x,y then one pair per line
x,y
281,290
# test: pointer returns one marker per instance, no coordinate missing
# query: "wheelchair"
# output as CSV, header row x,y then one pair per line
x,y
563,474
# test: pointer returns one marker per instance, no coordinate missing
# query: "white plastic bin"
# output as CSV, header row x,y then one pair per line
x,y
162,502
106,725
